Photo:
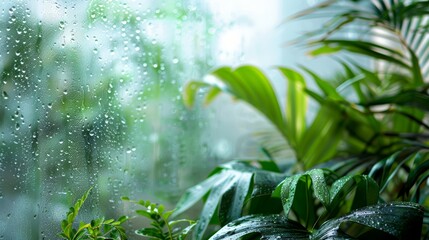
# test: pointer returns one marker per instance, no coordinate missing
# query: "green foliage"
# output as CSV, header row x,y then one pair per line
x,y
359,152
369,132
162,227
96,229
318,195
231,190
241,83
259,93
391,221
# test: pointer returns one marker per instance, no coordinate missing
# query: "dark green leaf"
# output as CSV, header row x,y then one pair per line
x,y
262,227
366,193
233,200
400,220
211,204
297,194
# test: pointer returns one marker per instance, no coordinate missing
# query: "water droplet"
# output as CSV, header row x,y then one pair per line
x,y
5,96
62,24
12,9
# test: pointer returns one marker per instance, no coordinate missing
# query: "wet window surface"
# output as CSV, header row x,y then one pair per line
x,y
91,96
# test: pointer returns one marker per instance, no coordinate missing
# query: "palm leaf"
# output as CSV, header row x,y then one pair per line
x,y
410,98
296,106
322,137
246,83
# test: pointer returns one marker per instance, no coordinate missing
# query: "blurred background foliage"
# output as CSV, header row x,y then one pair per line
x,y
91,97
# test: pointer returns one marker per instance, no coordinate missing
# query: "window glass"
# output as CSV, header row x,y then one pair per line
x,y
91,96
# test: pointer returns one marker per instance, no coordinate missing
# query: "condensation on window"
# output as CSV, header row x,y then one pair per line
x,y
91,97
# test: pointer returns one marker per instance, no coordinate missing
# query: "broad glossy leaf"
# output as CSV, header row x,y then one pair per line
x,y
321,191
297,194
232,201
288,190
211,204
262,227
264,183
228,189
399,220
367,192
303,203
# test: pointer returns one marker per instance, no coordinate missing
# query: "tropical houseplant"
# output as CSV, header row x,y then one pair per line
x,y
379,132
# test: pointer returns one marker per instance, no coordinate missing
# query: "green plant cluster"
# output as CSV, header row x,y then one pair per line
x,y
96,229
161,227
362,162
